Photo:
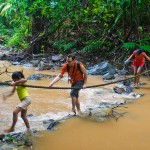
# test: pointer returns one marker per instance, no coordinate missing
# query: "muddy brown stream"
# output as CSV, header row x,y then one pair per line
x,y
129,132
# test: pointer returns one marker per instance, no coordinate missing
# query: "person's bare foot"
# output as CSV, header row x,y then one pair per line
x,y
74,111
8,130
80,112
136,86
28,132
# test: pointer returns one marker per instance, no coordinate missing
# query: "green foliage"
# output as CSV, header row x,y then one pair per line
x,y
74,24
130,45
146,48
92,45
17,41
143,44
3,29
64,45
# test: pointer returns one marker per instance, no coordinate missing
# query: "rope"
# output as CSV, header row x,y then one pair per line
x,y
93,86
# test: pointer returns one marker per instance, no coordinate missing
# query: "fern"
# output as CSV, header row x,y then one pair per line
x,y
92,45
146,48
68,46
143,44
130,45
64,44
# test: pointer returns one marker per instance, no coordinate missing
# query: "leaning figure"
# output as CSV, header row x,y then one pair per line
x,y
138,64
77,76
25,100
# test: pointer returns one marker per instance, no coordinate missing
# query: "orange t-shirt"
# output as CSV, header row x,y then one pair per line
x,y
74,73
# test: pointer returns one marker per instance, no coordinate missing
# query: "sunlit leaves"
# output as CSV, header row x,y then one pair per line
x,y
90,20
5,8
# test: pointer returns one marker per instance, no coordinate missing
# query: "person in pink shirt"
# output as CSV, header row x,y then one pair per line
x,y
138,63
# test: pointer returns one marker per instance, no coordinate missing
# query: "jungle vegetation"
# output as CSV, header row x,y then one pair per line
x,y
104,27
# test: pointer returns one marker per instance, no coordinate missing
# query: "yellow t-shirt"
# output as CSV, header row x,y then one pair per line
x,y
22,92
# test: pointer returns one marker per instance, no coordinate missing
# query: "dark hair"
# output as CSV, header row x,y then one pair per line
x,y
17,75
139,51
72,56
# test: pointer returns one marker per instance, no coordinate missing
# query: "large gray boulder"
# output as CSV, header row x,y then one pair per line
x,y
101,69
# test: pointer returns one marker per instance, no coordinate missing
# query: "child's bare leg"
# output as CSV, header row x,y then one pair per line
x,y
78,104
15,118
24,117
135,73
138,77
73,104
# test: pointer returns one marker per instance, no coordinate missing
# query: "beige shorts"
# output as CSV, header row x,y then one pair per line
x,y
25,103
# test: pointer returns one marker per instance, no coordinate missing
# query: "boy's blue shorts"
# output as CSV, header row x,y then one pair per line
x,y
75,92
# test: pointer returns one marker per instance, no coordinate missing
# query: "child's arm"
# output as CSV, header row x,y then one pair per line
x,y
126,61
148,58
13,83
130,57
22,80
8,94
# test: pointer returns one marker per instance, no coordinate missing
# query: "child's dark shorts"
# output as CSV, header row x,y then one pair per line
x,y
75,92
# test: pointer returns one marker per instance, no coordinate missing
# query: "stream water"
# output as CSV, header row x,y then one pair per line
x,y
130,132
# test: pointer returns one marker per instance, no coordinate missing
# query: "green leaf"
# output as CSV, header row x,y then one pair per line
x,y
5,9
130,45
146,48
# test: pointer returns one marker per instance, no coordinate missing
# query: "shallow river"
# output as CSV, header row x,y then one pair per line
x,y
130,132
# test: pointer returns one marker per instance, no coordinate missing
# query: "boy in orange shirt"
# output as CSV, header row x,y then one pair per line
x,y
77,78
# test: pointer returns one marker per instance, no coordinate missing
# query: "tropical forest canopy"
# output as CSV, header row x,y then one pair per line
x,y
63,26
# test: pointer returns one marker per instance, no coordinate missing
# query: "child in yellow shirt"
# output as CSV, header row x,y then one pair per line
x,y
18,80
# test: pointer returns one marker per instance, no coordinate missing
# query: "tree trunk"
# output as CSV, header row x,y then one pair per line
x,y
39,27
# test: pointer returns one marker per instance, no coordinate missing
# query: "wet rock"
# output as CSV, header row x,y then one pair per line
x,y
125,89
127,83
137,95
3,57
38,76
35,62
104,111
48,121
128,89
44,66
118,90
101,69
56,58
2,136
28,65
108,76
16,63
52,125
110,104
122,72
16,139
62,59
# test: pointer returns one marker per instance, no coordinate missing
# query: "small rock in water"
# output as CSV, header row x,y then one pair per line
x,y
52,125
118,90
48,121
27,65
137,95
